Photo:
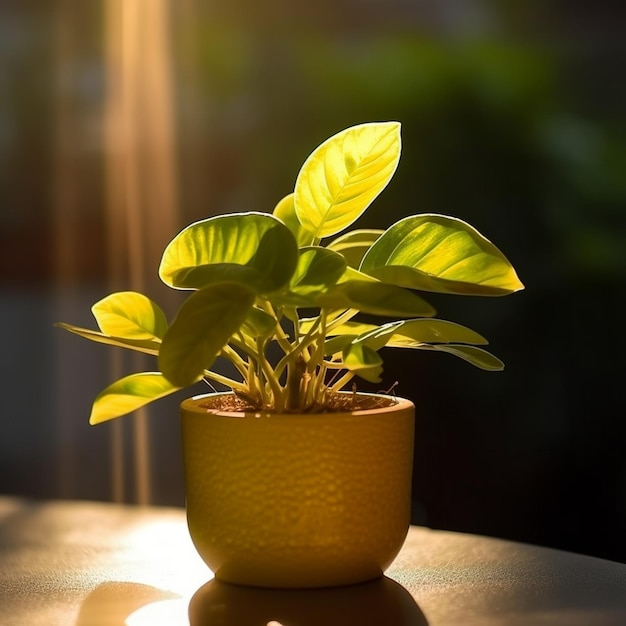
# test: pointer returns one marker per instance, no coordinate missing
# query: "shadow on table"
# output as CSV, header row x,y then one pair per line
x,y
111,603
379,602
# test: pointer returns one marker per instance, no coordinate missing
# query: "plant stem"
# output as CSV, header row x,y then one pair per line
x,y
318,354
295,371
296,349
271,378
254,390
317,384
236,360
344,317
281,335
342,382
225,380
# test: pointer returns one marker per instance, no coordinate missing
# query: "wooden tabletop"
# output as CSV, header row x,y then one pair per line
x,y
96,564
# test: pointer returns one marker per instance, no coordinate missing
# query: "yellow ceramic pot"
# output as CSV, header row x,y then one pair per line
x,y
298,500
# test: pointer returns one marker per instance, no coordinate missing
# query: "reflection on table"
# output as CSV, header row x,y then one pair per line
x,y
95,564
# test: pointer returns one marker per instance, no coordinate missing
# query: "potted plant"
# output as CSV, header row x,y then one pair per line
x,y
293,477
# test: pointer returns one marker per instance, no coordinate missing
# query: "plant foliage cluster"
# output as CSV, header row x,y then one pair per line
x,y
297,279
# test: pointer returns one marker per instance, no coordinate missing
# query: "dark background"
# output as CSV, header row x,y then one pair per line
x,y
513,119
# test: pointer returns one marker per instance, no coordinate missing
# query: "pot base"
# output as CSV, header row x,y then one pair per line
x,y
299,571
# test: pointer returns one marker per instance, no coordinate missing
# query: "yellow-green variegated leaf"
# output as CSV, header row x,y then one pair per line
x,y
202,327
129,394
353,245
130,315
378,337
258,323
442,254
414,333
255,249
337,344
148,346
346,328
342,177
350,328
364,361
317,269
435,331
352,274
375,299
285,211
476,356
292,301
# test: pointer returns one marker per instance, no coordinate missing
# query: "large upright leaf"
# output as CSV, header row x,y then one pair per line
x,y
442,254
202,327
129,394
376,299
342,177
130,315
256,249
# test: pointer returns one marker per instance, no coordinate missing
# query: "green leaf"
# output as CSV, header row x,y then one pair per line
x,y
292,301
376,299
413,333
378,337
435,331
130,315
128,394
342,177
148,346
318,268
361,359
353,245
347,328
337,344
258,323
202,327
352,274
285,211
351,328
255,249
476,356
442,254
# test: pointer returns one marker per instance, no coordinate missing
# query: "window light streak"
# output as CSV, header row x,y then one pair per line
x,y
140,179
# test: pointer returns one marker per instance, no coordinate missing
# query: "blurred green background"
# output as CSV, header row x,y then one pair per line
x,y
514,119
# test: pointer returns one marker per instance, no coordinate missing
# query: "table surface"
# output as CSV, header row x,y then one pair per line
x,y
97,564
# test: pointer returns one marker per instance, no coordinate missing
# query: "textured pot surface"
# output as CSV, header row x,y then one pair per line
x,y
290,500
